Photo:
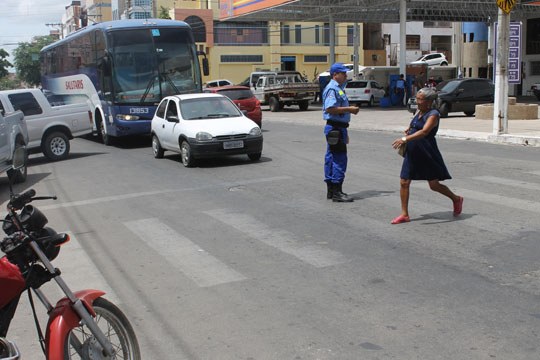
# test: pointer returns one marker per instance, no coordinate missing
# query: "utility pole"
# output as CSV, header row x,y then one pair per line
x,y
61,28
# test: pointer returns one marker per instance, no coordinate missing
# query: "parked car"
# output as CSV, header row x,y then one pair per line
x,y
278,91
254,77
13,136
364,91
460,95
431,60
243,98
350,72
214,83
201,126
536,90
49,127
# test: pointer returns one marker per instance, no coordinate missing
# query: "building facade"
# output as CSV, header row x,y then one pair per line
x,y
71,18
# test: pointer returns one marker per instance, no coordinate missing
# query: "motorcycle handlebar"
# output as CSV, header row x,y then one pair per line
x,y
19,200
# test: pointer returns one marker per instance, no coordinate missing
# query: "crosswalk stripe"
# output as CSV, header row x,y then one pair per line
x,y
159,192
508,182
282,240
198,265
499,200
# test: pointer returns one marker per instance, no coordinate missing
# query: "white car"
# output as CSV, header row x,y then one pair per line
x,y
432,59
216,83
364,91
350,72
202,126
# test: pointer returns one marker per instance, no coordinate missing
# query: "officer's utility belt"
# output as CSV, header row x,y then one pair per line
x,y
339,124
335,139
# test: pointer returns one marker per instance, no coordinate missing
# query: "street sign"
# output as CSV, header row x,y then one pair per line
x,y
506,5
514,53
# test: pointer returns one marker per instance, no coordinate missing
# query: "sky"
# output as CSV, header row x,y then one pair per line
x,y
20,20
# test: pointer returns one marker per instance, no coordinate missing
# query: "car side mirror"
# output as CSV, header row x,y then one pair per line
x,y
459,91
173,118
245,112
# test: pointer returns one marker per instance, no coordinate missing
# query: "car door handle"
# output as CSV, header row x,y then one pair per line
x,y
163,126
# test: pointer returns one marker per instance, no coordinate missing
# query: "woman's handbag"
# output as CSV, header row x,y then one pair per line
x,y
402,149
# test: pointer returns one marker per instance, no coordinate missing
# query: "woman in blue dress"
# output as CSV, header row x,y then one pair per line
x,y
423,160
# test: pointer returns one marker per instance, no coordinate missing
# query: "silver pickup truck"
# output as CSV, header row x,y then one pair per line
x,y
13,135
49,127
283,90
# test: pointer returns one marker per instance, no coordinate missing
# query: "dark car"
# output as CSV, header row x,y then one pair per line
x,y
243,98
458,95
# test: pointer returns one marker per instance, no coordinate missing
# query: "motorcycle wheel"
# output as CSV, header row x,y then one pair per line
x,y
116,327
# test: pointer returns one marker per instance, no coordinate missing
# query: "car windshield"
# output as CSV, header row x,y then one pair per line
x,y
356,84
420,58
448,85
208,108
237,94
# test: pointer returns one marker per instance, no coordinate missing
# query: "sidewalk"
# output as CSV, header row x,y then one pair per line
x,y
456,125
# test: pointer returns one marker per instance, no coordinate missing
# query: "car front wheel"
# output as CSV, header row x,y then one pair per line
x,y
185,153
156,147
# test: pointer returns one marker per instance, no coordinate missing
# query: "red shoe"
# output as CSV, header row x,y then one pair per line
x,y
458,206
401,219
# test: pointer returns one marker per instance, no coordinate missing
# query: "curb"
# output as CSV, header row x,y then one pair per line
x,y
515,140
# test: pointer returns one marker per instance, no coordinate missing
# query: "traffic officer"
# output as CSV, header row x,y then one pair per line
x,y
337,113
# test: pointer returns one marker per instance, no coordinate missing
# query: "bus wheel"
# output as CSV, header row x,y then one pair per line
x,y
56,146
106,139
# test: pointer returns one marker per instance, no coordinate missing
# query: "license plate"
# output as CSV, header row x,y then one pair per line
x,y
237,144
414,106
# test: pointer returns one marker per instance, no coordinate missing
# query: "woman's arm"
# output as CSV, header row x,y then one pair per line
x,y
431,122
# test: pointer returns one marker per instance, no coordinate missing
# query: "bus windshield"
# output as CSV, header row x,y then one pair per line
x,y
149,64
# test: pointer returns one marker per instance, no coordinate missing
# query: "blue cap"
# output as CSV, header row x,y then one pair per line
x,y
338,67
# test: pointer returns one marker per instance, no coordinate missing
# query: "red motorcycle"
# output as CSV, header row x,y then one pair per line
x,y
82,325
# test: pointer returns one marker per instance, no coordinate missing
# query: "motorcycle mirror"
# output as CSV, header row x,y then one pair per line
x,y
16,164
18,158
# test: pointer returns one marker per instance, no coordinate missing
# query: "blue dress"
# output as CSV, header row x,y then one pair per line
x,y
423,160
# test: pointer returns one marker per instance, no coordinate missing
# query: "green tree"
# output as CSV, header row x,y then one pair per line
x,y
164,13
8,84
27,59
4,64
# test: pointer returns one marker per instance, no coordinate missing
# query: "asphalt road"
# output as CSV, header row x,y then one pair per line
x,y
236,259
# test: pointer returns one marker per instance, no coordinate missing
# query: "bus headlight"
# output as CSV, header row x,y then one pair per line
x,y
203,136
256,131
127,117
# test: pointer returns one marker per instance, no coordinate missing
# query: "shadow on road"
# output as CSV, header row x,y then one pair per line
x,y
442,217
127,142
369,194
218,162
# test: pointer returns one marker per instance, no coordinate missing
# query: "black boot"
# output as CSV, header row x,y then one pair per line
x,y
330,190
339,195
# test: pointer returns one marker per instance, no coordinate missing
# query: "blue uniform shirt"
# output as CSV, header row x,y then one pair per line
x,y
334,96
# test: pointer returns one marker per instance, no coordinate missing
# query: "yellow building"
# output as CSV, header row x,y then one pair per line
x,y
235,48
98,11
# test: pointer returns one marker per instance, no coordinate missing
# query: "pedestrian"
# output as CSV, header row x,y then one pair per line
x,y
337,113
423,160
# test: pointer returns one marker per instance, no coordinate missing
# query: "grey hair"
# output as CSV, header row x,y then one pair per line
x,y
429,93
